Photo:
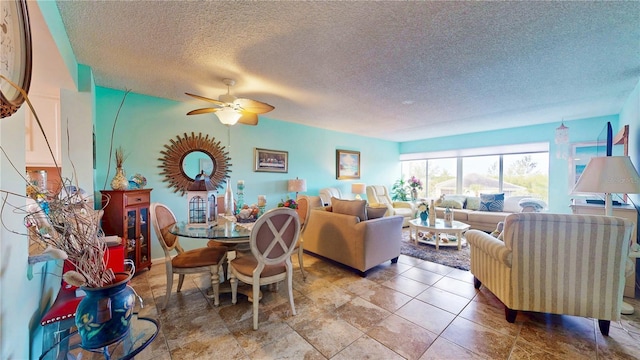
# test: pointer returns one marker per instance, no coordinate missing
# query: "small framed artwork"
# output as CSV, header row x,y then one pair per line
x,y
271,160
347,164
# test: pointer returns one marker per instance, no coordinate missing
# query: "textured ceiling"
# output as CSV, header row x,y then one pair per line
x,y
391,70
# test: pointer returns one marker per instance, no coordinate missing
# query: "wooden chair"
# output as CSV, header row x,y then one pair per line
x,y
273,240
201,260
303,210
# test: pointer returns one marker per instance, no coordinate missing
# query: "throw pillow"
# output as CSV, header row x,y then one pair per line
x,y
350,207
491,202
473,203
375,212
451,203
497,233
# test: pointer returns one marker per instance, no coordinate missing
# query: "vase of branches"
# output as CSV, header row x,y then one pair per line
x,y
119,181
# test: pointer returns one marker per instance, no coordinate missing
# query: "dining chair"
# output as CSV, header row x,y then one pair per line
x,y
303,210
200,260
273,239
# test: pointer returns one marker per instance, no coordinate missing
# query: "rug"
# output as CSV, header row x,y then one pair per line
x,y
449,256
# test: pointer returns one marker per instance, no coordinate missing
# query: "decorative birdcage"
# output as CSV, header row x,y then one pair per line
x,y
201,202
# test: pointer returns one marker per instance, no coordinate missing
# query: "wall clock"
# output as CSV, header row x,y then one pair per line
x,y
15,54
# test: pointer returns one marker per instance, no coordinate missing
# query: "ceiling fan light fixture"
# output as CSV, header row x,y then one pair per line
x,y
228,116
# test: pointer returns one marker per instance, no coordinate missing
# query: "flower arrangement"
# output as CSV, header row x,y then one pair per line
x,y
423,207
415,183
290,203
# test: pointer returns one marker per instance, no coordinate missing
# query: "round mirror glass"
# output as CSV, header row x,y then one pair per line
x,y
196,162
186,156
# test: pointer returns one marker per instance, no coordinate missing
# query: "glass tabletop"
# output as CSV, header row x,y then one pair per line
x,y
223,231
142,332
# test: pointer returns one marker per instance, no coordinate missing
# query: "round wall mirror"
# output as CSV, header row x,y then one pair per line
x,y
187,156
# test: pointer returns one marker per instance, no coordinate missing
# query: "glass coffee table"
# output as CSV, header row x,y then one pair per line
x,y
439,234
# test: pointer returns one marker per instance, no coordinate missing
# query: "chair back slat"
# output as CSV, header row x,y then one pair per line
x,y
163,220
303,210
275,235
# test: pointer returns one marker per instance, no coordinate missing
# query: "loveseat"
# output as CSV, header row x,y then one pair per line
x,y
350,234
469,209
555,263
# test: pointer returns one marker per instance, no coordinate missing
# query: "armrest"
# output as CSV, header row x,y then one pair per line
x,y
489,245
403,204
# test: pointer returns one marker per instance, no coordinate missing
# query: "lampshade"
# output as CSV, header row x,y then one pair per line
x,y
228,116
297,185
608,175
357,188
562,141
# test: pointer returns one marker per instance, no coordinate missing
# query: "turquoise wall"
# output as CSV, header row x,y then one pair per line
x,y
146,124
582,130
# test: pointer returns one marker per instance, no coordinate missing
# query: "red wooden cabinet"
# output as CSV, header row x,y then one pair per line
x,y
126,214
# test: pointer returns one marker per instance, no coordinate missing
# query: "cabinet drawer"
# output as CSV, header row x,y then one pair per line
x,y
136,198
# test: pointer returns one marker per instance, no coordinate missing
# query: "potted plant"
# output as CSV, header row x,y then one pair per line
x,y
399,191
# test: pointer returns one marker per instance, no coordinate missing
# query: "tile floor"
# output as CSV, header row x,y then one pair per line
x,y
410,310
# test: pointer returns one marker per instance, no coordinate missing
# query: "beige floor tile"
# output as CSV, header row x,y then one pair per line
x,y
443,299
422,275
366,348
443,349
425,315
402,336
457,287
361,314
328,334
289,346
406,285
479,339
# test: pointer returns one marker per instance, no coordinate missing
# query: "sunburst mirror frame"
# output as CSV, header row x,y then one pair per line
x,y
175,153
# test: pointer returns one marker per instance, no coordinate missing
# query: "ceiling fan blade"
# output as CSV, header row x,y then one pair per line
x,y
254,106
248,118
217,102
202,111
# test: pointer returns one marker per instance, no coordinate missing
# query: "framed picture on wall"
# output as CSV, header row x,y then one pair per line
x,y
581,153
347,164
271,160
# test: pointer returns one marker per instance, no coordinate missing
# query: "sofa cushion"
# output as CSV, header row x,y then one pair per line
x,y
452,203
350,207
473,203
492,202
375,212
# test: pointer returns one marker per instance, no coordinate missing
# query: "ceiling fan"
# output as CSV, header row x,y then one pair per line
x,y
231,110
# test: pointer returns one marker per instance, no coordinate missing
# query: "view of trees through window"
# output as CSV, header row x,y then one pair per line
x,y
513,174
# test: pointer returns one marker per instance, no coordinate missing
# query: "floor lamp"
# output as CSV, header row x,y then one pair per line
x,y
610,175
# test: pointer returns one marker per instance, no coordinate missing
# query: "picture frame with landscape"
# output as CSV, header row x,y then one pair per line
x,y
347,164
266,160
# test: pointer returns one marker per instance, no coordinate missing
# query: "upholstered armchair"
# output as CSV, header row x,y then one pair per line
x,y
378,196
555,263
327,193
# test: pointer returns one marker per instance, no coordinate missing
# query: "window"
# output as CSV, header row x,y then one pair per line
x,y
516,174
481,174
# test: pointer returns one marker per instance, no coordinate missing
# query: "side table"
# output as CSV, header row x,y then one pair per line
x,y
142,333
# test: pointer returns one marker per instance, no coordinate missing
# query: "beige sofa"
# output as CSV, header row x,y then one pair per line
x,y
477,219
555,263
343,233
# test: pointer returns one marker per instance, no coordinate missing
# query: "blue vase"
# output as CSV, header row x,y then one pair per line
x,y
424,216
103,316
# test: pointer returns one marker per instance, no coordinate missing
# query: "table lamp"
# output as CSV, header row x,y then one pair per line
x,y
297,185
358,188
609,175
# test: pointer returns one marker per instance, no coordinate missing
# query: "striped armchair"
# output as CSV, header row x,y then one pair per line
x,y
555,263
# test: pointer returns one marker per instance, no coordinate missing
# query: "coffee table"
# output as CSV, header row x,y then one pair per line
x,y
457,228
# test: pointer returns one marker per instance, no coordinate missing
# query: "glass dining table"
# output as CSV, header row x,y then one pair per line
x,y
234,235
